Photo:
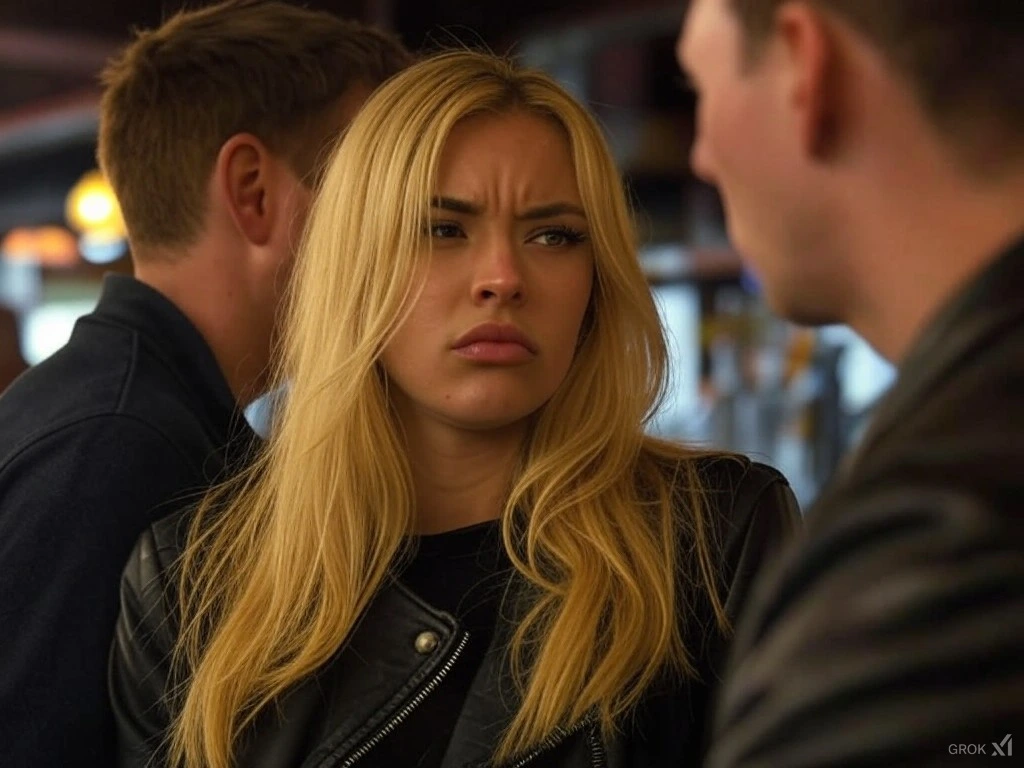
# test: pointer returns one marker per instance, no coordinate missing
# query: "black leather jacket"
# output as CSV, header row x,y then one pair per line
x,y
335,719
893,634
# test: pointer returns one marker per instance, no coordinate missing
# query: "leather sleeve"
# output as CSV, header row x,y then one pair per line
x,y
755,514
763,517
139,673
892,637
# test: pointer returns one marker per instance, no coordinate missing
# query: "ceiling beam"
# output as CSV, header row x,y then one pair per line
x,y
42,126
54,52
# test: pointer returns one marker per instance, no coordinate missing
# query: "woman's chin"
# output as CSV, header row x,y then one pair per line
x,y
488,418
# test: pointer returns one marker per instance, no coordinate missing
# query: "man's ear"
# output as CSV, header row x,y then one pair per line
x,y
809,47
242,174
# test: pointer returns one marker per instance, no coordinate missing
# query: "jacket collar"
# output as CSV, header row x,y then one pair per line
x,y
169,336
983,310
348,706
397,678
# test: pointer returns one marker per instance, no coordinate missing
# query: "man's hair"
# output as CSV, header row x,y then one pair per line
x,y
177,93
963,58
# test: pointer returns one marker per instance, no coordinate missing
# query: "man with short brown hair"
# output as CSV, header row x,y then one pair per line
x,y
870,156
213,130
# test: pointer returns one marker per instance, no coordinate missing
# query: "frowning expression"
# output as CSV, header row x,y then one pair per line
x,y
505,286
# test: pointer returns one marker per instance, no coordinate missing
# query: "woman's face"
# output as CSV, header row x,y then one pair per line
x,y
494,330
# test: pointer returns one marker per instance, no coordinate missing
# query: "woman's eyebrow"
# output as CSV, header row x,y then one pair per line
x,y
454,205
553,209
540,212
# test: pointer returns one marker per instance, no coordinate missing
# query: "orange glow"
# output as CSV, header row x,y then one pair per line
x,y
47,246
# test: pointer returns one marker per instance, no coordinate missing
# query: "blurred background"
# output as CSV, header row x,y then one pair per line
x,y
742,379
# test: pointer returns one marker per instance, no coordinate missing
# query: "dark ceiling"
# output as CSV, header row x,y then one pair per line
x,y
52,50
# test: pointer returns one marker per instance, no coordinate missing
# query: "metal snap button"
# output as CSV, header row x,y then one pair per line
x,y
426,642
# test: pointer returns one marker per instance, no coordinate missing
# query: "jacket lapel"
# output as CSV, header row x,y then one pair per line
x,y
490,706
360,691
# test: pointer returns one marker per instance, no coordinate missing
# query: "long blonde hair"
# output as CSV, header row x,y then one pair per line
x,y
281,562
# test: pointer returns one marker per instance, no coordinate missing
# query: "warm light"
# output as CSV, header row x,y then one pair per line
x,y
48,246
92,208
95,208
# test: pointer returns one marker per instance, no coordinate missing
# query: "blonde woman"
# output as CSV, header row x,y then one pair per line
x,y
459,546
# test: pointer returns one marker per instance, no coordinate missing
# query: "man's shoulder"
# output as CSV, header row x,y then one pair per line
x,y
901,610
961,441
107,469
104,379
901,590
108,441
87,376
939,488
935,499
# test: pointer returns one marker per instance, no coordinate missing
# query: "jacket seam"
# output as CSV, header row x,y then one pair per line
x,y
129,372
42,435
140,340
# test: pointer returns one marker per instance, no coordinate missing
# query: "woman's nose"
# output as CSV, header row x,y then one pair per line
x,y
498,274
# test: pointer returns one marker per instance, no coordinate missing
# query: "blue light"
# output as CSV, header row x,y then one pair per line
x,y
101,250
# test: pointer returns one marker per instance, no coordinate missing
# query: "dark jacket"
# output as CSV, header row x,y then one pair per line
x,y
97,442
336,718
893,633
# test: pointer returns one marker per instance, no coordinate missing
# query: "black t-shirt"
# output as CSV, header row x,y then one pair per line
x,y
463,572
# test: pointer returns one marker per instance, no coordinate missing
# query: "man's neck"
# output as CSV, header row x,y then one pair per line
x,y
917,259
215,302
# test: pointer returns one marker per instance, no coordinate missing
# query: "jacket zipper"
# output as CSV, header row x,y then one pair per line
x,y
405,711
558,736
597,756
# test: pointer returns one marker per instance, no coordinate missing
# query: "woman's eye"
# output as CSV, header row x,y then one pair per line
x,y
445,230
559,237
